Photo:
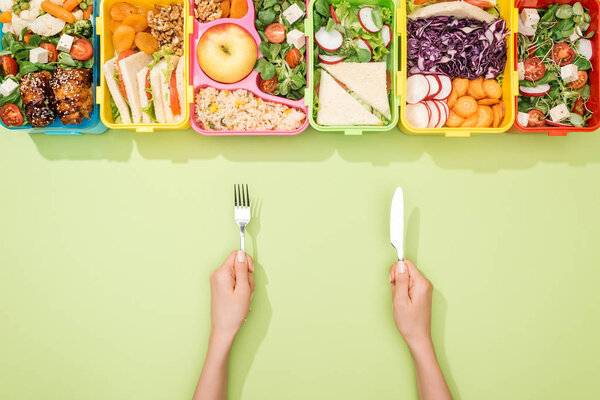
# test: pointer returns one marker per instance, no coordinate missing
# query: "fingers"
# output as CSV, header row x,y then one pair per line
x,y
401,279
418,280
393,274
241,271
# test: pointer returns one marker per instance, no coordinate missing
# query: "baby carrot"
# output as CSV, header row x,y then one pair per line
x,y
58,11
70,5
5,17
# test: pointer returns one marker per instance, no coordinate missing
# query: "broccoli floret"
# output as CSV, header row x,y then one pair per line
x,y
80,28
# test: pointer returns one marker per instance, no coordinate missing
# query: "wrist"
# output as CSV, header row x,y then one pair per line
x,y
420,346
221,339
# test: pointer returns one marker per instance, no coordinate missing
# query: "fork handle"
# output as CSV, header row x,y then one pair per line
x,y
243,239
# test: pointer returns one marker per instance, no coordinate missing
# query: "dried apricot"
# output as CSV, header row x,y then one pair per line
x,y
239,8
144,10
225,8
120,11
123,37
137,22
146,42
114,24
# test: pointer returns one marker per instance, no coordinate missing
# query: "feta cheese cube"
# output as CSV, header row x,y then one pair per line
x,y
559,113
574,36
296,38
38,55
521,69
293,13
523,119
65,43
530,16
8,87
568,73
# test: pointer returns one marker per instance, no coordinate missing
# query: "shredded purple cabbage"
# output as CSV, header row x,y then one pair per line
x,y
465,48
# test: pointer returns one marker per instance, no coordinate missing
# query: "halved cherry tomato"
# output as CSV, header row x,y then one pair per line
x,y
479,3
122,55
267,86
11,115
534,69
579,107
562,54
293,58
147,86
26,37
8,66
536,118
582,78
82,49
275,32
52,52
173,95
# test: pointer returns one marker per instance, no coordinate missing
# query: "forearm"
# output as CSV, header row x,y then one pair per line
x,y
431,384
213,379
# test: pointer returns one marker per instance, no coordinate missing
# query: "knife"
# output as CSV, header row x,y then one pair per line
x,y
397,223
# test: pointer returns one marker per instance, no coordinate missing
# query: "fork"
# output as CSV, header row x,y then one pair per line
x,y
241,201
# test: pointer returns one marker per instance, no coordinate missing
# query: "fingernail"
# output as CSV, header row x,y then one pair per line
x,y
241,256
400,267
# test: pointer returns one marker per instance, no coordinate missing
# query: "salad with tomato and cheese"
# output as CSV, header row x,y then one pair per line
x,y
554,52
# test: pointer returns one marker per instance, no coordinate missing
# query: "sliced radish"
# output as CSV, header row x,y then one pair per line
x,y
417,88
325,59
434,86
363,44
446,113
436,114
386,35
538,90
329,41
365,17
417,115
332,12
526,30
446,87
584,47
558,124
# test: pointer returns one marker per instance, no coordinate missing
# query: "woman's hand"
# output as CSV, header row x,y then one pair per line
x,y
411,293
231,291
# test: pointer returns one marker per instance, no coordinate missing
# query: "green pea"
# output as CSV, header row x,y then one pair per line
x,y
564,11
25,6
578,9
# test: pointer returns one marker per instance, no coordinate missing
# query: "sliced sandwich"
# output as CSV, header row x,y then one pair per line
x,y
112,81
130,66
367,81
143,81
338,107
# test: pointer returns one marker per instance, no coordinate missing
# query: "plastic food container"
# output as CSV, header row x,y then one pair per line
x,y
593,6
107,52
510,85
92,125
393,97
200,80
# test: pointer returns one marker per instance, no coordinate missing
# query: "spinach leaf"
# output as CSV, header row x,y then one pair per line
x,y
265,68
330,25
267,16
582,63
322,7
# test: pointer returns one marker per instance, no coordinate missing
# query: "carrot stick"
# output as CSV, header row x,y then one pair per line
x,y
58,12
70,5
5,17
87,13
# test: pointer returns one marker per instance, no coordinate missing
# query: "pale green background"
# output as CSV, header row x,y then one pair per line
x,y
107,243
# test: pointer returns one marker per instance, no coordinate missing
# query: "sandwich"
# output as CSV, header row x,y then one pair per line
x,y
338,107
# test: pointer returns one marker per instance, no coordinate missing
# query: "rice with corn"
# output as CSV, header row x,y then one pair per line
x,y
240,110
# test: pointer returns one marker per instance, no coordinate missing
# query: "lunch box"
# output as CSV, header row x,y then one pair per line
x,y
107,52
94,124
393,97
200,80
593,6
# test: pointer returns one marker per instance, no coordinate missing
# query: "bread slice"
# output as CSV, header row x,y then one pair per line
x,y
338,107
368,81
113,87
130,67
144,102
156,77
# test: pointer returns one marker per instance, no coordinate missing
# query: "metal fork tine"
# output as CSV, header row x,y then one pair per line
x,y
235,195
247,197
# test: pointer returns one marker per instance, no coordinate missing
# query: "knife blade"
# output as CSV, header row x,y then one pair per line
x,y
397,222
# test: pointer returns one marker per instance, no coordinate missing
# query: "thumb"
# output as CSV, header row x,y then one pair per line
x,y
402,279
241,270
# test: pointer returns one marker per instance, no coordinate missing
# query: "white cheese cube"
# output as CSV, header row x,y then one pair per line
x,y
559,113
293,13
521,69
38,55
530,16
296,38
523,119
65,43
8,87
568,73
574,36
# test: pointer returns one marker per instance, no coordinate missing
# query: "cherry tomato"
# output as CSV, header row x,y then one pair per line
x,y
582,78
147,86
275,32
536,118
11,115
8,66
562,54
52,52
269,85
26,37
534,69
173,95
293,58
479,3
579,107
82,50
122,55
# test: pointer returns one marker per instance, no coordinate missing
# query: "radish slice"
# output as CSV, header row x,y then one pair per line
x,y
417,88
584,47
365,17
325,59
558,124
332,12
363,44
329,41
434,86
446,88
386,35
446,113
538,90
417,115
436,112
